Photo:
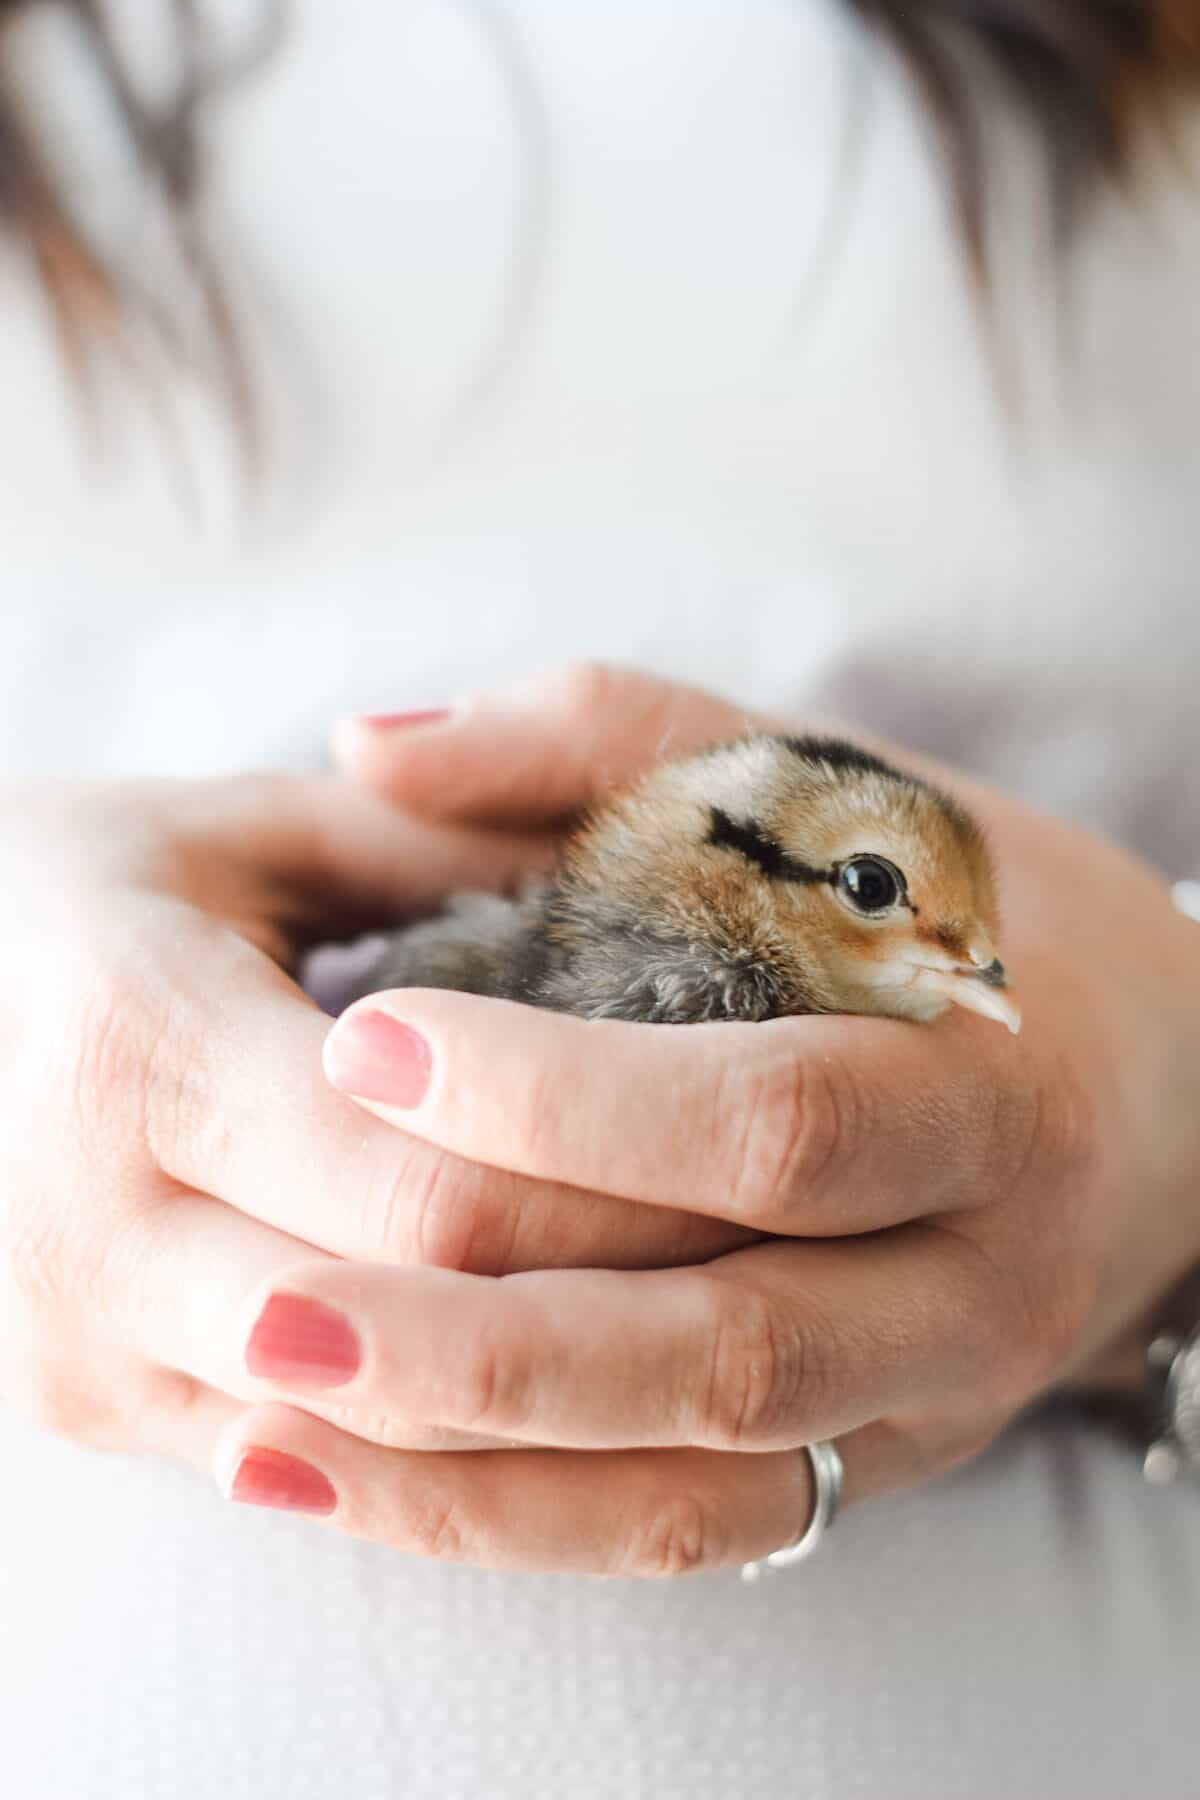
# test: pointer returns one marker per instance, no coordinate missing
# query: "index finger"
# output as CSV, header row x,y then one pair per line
x,y
537,750
240,1110
814,1126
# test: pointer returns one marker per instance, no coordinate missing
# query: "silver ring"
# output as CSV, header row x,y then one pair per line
x,y
828,1472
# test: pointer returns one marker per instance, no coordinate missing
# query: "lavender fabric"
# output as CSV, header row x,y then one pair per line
x,y
331,974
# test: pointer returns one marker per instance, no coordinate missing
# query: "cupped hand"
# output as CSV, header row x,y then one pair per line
x,y
168,1146
958,1221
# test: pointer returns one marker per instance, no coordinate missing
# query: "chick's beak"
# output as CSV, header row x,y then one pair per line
x,y
980,985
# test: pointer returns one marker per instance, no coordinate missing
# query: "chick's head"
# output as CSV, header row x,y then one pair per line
x,y
865,888
893,881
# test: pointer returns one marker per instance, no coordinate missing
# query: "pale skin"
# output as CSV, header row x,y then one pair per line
x,y
958,1220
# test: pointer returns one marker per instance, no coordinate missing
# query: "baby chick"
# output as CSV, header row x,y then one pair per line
x,y
767,876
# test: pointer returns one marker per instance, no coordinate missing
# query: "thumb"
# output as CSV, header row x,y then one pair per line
x,y
536,751
319,858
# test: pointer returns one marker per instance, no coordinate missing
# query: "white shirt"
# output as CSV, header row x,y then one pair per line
x,y
596,331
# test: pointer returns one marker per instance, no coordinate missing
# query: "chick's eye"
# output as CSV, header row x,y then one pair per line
x,y
870,884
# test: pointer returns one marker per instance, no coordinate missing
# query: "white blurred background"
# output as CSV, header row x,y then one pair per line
x,y
636,332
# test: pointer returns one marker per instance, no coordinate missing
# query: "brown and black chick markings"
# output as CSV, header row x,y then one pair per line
x,y
763,877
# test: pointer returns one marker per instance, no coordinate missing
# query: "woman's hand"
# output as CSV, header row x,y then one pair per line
x,y
168,1146
959,1220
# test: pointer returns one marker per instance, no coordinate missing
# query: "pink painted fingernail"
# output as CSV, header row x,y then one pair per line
x,y
400,721
297,1339
272,1478
374,1057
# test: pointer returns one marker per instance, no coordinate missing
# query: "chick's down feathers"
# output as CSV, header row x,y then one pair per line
x,y
758,878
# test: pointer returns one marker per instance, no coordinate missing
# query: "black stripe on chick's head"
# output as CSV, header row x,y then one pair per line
x,y
761,849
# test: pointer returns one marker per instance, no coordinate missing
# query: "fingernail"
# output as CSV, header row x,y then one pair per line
x,y
400,721
297,1339
374,1057
272,1478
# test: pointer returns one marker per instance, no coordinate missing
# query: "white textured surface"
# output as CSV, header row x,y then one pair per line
x,y
696,455
1030,1628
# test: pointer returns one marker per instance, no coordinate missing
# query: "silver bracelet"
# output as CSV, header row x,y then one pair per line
x,y
1173,1359
1186,898
1173,1364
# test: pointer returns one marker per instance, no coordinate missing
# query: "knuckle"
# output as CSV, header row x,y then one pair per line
x,y
109,1064
759,1377
582,688
56,1397
436,1229
483,1226
1055,1315
36,1265
1048,1134
58,1227
492,1385
1036,1322
1067,1132
437,1533
181,1126
405,1215
134,1080
438,1212
681,1537
796,1125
